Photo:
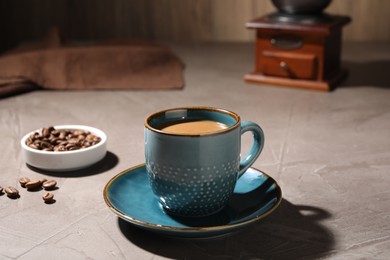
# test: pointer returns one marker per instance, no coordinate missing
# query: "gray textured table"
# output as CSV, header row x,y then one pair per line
x,y
330,153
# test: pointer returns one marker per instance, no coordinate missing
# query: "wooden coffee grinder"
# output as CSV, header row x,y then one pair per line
x,y
298,47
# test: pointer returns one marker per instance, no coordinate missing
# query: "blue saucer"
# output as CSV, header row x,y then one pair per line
x,y
129,195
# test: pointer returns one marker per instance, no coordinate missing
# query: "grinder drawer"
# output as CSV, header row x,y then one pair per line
x,y
289,65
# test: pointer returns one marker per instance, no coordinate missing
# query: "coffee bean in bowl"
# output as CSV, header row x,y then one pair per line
x,y
64,147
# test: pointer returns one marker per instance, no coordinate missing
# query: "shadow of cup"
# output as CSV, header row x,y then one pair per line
x,y
291,232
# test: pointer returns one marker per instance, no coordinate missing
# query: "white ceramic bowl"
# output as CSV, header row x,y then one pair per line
x,y
66,160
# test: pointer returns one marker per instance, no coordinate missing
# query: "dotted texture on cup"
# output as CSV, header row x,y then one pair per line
x,y
193,191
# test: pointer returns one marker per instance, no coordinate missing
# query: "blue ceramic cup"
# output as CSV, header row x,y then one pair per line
x,y
194,173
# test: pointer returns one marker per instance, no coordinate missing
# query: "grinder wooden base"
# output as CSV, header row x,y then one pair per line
x,y
328,85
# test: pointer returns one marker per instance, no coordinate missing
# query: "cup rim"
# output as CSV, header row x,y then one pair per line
x,y
219,110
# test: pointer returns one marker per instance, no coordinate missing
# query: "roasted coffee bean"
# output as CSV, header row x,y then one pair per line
x,y
63,143
42,180
23,181
70,146
49,185
45,144
48,197
45,132
62,135
31,185
1,190
11,192
55,132
89,137
73,140
51,139
87,144
33,146
59,148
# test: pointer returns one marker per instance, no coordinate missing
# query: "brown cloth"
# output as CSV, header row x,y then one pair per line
x,y
116,64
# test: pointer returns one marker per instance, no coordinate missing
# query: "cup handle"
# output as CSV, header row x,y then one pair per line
x,y
257,146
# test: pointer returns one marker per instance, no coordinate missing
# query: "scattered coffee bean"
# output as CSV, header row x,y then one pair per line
x,y
49,185
31,185
48,197
58,140
23,181
11,192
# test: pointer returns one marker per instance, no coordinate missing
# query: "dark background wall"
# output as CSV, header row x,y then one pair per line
x,y
169,20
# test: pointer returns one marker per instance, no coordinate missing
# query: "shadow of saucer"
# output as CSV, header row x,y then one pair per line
x,y
107,163
291,232
367,74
